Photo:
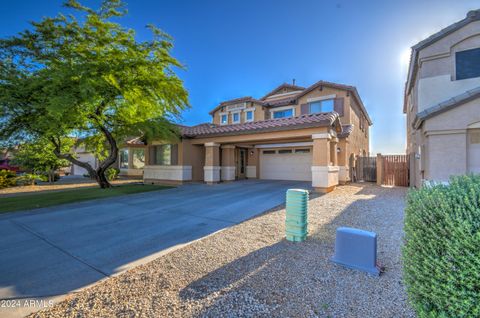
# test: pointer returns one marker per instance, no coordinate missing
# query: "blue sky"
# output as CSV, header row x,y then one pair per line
x,y
246,48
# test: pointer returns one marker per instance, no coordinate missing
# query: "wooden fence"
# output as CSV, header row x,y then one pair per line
x,y
395,170
390,170
366,169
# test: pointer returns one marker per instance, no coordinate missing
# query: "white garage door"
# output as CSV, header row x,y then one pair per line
x,y
286,164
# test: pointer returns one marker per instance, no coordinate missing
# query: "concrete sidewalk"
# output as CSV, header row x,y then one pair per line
x,y
51,252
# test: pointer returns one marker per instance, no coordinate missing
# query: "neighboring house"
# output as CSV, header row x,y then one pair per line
x,y
131,159
442,103
6,157
292,133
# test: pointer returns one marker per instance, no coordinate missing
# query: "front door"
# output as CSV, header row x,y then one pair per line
x,y
241,163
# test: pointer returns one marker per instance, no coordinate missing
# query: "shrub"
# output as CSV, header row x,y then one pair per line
x,y
29,179
7,178
44,176
112,173
441,254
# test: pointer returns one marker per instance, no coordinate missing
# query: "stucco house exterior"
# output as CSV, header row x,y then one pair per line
x,y
291,133
442,103
131,158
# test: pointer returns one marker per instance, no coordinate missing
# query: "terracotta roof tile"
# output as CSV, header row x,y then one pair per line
x,y
284,85
346,131
304,121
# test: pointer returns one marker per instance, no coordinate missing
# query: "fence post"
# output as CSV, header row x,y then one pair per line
x,y
379,169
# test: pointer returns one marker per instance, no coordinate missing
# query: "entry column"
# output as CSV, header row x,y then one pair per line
x,y
228,163
324,169
211,169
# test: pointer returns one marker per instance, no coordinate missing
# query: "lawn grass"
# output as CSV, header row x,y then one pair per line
x,y
42,200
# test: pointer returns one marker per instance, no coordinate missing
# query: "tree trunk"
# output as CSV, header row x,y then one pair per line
x,y
110,160
99,173
102,179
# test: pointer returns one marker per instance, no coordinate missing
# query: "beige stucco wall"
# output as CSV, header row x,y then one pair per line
x,y
446,156
444,140
444,152
259,113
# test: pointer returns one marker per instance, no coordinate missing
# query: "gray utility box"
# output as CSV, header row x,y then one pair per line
x,y
356,249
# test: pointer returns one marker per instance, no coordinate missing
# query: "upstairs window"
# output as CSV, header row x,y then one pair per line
x,y
321,106
236,118
283,113
467,64
249,115
224,119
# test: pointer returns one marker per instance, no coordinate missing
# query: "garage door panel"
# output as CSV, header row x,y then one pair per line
x,y
286,166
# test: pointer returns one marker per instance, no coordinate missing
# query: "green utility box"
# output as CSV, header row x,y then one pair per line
x,y
297,214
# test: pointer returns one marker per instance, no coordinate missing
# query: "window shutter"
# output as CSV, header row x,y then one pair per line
x,y
304,109
151,155
267,113
174,155
338,105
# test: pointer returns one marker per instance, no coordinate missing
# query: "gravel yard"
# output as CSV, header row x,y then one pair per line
x,y
250,270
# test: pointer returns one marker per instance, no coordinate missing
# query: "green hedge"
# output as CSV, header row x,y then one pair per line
x,y
441,254
7,178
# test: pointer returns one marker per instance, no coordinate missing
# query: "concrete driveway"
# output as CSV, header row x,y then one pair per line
x,y
48,253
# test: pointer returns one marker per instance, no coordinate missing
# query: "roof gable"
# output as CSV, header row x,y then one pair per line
x,y
279,89
471,16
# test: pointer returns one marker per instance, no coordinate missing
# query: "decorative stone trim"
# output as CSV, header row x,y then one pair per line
x,y
252,172
131,172
227,173
344,174
211,173
325,176
228,146
211,144
175,173
321,136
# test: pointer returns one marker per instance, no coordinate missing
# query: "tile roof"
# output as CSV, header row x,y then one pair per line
x,y
293,98
135,141
304,121
234,101
445,106
284,85
346,131
350,88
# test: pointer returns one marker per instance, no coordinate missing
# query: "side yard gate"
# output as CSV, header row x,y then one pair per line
x,y
390,170
395,170
366,169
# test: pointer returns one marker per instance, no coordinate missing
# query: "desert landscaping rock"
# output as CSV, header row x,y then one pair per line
x,y
250,270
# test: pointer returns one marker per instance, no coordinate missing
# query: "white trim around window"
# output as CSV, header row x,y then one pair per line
x,y
221,115
273,110
319,98
233,117
252,110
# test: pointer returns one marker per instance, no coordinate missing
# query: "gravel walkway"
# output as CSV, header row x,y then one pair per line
x,y
250,270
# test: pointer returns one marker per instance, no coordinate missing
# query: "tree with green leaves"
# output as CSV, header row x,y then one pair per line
x,y
86,76
39,157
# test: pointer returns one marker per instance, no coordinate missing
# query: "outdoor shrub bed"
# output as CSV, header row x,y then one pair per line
x,y
442,249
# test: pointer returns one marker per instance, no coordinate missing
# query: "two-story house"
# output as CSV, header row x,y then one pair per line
x,y
291,133
442,103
